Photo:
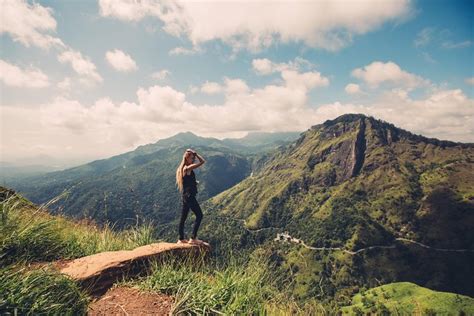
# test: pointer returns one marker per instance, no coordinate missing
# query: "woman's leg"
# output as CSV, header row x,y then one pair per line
x,y
184,215
193,203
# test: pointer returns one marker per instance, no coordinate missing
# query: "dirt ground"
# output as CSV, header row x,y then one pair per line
x,y
130,301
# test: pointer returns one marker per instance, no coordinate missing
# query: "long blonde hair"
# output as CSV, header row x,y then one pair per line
x,y
179,174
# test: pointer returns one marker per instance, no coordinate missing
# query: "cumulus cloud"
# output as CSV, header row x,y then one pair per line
x,y
378,73
32,25
307,80
259,24
161,75
470,81
105,128
353,88
235,87
81,65
120,61
211,87
264,66
14,76
185,51
290,72
29,24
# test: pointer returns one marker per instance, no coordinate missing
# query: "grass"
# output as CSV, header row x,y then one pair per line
x,y
405,298
29,234
39,292
201,287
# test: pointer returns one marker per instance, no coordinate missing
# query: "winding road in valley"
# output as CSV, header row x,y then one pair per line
x,y
285,237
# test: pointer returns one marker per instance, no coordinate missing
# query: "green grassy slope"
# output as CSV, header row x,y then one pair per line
x,y
405,298
30,235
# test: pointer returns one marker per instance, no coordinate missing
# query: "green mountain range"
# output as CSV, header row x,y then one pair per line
x,y
390,206
139,186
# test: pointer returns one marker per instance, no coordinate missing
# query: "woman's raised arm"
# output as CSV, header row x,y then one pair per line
x,y
195,165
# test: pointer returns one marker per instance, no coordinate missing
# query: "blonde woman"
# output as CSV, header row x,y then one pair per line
x,y
187,185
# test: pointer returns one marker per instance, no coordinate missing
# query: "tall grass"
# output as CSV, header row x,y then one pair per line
x,y
201,287
28,233
39,292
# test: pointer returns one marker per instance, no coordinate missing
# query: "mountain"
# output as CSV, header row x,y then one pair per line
x,y
180,140
140,185
350,184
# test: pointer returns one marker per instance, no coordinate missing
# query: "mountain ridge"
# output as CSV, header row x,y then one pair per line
x,y
352,183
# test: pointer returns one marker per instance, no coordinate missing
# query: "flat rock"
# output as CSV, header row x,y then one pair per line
x,y
98,272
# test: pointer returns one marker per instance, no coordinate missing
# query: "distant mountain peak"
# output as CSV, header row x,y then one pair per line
x,y
187,133
346,118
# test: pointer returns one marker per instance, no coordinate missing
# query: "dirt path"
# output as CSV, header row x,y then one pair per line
x,y
131,301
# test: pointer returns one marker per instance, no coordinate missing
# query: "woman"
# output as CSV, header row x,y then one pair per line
x,y
187,185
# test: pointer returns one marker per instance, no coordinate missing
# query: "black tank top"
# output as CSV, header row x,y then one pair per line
x,y
189,183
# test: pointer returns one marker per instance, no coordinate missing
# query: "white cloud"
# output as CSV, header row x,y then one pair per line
x,y
353,88
254,25
106,128
308,80
470,81
211,87
32,25
235,87
29,24
289,72
378,73
184,51
81,65
14,76
263,66
121,61
161,75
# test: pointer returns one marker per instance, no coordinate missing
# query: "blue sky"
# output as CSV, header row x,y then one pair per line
x,y
76,76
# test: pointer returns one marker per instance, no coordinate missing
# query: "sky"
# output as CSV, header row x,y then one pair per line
x,y
82,80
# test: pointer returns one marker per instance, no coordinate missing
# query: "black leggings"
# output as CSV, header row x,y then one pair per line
x,y
190,202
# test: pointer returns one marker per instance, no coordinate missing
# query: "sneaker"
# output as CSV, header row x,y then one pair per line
x,y
195,241
182,241
198,242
